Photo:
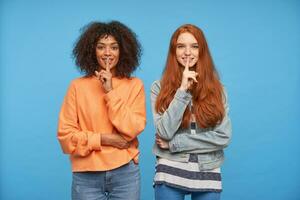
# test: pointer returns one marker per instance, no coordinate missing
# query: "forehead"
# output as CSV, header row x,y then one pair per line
x,y
107,39
186,37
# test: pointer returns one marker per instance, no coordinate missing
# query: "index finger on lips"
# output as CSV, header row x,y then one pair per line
x,y
187,63
107,65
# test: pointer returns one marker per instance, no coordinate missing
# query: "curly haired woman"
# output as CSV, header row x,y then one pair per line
x,y
102,114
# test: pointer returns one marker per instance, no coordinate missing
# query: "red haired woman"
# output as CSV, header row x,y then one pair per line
x,y
190,113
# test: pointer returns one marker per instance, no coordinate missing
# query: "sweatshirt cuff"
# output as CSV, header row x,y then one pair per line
x,y
95,142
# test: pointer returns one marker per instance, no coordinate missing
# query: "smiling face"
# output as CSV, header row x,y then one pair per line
x,y
107,52
187,48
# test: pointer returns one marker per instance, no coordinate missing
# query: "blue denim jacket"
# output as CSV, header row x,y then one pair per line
x,y
207,143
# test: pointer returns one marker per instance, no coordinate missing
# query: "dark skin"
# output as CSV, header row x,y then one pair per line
x,y
105,79
115,140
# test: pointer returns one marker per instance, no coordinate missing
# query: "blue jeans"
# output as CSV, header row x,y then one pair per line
x,y
122,183
163,192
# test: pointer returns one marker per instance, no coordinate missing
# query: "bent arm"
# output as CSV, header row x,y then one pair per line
x,y
72,139
207,141
167,123
129,118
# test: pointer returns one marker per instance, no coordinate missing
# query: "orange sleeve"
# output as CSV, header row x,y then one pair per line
x,y
72,139
129,118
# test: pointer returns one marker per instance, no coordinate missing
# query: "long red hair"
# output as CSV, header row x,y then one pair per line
x,y
207,93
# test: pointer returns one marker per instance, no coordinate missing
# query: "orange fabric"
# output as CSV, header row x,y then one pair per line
x,y
87,112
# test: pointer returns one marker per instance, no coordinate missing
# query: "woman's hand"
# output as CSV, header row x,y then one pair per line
x,y
105,76
161,143
188,77
114,140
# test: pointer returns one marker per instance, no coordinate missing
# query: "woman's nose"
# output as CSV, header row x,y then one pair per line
x,y
187,51
107,51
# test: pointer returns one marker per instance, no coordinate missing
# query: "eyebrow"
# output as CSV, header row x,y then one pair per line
x,y
185,44
113,43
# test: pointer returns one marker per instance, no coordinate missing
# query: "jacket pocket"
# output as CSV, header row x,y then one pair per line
x,y
210,157
211,160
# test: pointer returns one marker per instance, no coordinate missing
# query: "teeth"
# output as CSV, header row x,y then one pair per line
x,y
109,60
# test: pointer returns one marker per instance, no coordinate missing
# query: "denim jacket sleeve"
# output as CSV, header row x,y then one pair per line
x,y
210,140
167,123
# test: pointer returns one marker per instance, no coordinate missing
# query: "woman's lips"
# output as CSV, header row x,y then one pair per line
x,y
110,60
185,60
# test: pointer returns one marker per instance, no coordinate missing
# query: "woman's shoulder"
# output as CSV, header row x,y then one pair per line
x,y
130,82
224,91
155,87
82,81
136,80
225,96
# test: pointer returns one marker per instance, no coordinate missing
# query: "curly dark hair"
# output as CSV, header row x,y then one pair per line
x,y
130,48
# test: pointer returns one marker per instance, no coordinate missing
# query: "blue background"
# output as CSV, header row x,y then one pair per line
x,y
256,49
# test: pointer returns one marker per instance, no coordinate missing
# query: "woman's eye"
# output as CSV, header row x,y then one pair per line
x,y
180,46
195,46
100,47
115,48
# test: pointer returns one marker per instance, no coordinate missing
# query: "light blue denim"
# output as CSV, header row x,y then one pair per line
x,y
164,192
122,183
207,143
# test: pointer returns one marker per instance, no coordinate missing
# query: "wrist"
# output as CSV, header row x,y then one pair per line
x,y
182,88
105,139
109,89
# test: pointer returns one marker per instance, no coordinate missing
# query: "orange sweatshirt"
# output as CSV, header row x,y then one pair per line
x,y
87,112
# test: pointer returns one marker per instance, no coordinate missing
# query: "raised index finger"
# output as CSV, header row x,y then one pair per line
x,y
187,64
107,65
